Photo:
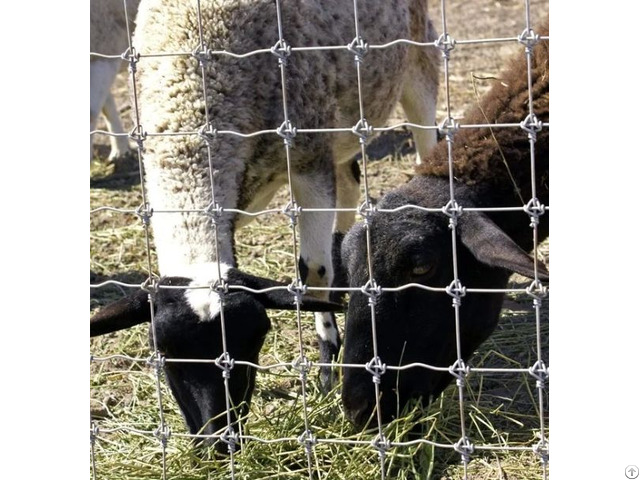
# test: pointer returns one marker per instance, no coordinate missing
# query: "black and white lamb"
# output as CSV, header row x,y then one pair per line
x,y
193,231
491,168
108,36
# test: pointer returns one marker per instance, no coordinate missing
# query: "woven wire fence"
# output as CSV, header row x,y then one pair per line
x,y
307,438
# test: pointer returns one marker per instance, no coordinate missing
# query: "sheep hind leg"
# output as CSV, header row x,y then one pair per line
x,y
420,108
347,197
419,98
102,74
119,144
315,262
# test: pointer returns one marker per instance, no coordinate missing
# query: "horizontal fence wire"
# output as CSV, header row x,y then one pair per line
x,y
308,439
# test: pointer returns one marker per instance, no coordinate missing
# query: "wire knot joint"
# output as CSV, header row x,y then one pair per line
x,y
445,43
282,50
376,368
225,363
359,48
465,448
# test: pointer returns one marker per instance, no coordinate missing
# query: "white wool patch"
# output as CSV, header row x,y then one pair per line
x,y
328,334
204,301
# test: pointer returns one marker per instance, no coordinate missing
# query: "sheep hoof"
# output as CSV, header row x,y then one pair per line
x,y
125,164
328,378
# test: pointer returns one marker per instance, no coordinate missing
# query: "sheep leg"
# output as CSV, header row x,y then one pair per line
x,y
420,108
419,99
119,145
347,196
316,268
102,74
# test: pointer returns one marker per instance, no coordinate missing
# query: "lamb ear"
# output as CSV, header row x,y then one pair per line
x,y
124,313
279,299
490,245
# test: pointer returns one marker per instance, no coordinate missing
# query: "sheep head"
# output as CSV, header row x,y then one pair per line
x,y
414,324
187,325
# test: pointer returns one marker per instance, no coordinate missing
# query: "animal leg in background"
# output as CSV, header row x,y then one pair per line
x,y
103,72
317,190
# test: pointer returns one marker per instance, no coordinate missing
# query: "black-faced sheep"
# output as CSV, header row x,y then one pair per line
x,y
416,325
192,229
108,36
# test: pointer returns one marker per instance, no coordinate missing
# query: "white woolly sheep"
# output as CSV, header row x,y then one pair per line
x,y
108,34
245,95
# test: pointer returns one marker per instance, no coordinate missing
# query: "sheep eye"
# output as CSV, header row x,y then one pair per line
x,y
421,270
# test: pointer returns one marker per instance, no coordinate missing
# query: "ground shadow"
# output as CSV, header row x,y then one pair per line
x,y
121,173
105,294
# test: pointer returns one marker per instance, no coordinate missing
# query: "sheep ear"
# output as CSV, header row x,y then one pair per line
x,y
279,299
490,245
124,313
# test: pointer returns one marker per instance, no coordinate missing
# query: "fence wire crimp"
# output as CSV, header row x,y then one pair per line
x,y
445,43
138,135
297,288
202,53
531,125
292,210
132,57
372,290
537,292
208,133
144,213
287,132
460,371
230,438
452,210
156,361
359,48
366,210
448,127
456,290
535,210
541,449
214,211
307,439
303,365
93,433
151,286
540,372
282,50
376,368
162,433
225,363
529,39
362,130
465,448
220,287
381,444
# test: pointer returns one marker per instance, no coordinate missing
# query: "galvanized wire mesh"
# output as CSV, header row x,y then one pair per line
x,y
447,127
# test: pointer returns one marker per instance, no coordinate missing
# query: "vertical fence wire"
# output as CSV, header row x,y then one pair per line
x,y
531,125
225,361
456,289
448,127
144,213
156,360
363,130
287,131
